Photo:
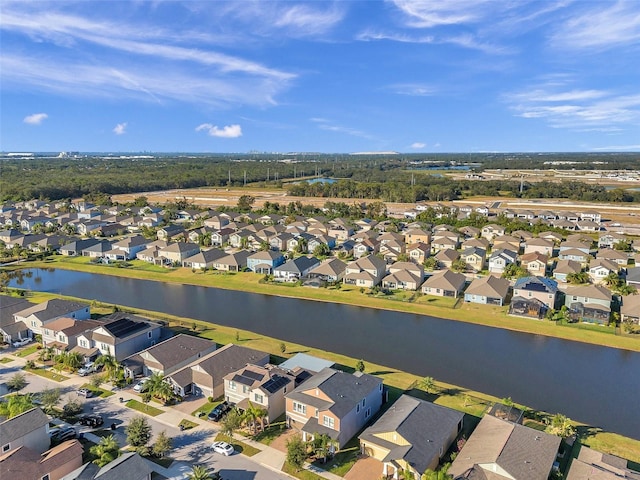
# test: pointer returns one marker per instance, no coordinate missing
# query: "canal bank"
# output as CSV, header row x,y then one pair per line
x,y
545,373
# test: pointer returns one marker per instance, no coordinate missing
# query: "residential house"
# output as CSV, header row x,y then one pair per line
x,y
10,329
304,361
152,252
263,386
76,247
127,248
633,276
411,436
621,258
591,303
282,241
499,260
265,261
62,334
522,235
475,258
488,290
320,239
37,316
170,232
295,269
609,239
416,235
470,232
204,259
365,272
365,247
535,263
216,221
404,276
340,232
593,465
418,252
168,356
482,243
206,375
176,253
335,403
330,270
29,429
440,243
221,237
446,257
630,309
564,268
600,269
129,466
554,237
539,245
122,336
533,297
576,251
234,262
98,250
491,231
499,449
508,242
445,283
50,465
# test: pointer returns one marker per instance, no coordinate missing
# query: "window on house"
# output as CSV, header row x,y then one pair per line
x,y
104,346
367,413
245,389
232,386
83,343
5,448
358,408
45,477
149,334
364,401
258,398
328,422
299,408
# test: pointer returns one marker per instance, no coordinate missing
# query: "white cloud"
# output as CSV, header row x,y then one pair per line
x,y
325,124
428,13
35,119
578,109
605,25
617,148
120,129
228,131
418,145
413,89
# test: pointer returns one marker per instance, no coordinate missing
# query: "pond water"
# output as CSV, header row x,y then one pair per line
x,y
589,383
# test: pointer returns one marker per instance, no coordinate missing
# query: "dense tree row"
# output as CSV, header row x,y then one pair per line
x,y
393,178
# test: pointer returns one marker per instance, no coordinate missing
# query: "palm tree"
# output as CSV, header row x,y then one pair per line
x,y
111,365
200,472
15,405
157,387
612,280
73,360
45,354
106,451
560,425
252,415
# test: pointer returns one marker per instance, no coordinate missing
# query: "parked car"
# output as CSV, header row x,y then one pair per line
x,y
219,411
91,420
87,368
138,386
61,434
85,392
21,343
224,448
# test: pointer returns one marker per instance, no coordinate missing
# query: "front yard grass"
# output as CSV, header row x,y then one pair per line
x,y
205,408
270,433
4,360
47,373
343,460
27,351
239,446
143,408
187,424
301,474
97,391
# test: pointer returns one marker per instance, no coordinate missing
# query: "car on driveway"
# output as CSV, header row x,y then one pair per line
x,y
91,420
85,392
219,411
138,386
21,343
223,448
87,368
61,434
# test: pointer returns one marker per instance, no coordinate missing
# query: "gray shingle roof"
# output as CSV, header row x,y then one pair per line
x,y
53,308
20,425
129,465
426,426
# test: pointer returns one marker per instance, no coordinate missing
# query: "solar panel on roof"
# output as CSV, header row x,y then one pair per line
x,y
253,375
243,380
124,327
275,383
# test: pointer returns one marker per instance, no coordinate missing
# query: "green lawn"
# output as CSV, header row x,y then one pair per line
x,y
187,424
146,409
301,474
239,446
270,433
97,391
47,373
206,408
27,350
6,360
343,460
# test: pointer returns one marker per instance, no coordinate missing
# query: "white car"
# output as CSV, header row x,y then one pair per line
x,y
21,343
86,369
138,386
224,448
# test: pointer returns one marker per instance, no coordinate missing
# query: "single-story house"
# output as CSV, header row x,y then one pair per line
x,y
488,290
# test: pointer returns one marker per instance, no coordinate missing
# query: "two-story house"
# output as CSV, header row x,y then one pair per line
x,y
533,297
36,317
335,403
365,272
499,260
591,303
295,269
265,261
29,429
330,270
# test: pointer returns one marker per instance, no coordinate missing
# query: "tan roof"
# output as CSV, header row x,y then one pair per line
x,y
446,280
590,291
567,266
630,305
490,286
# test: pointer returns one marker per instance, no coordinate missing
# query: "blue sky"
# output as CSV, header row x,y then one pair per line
x,y
320,76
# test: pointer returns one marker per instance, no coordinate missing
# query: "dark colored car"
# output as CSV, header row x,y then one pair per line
x,y
219,411
91,420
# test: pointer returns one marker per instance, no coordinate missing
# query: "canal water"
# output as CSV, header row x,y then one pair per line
x,y
596,385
